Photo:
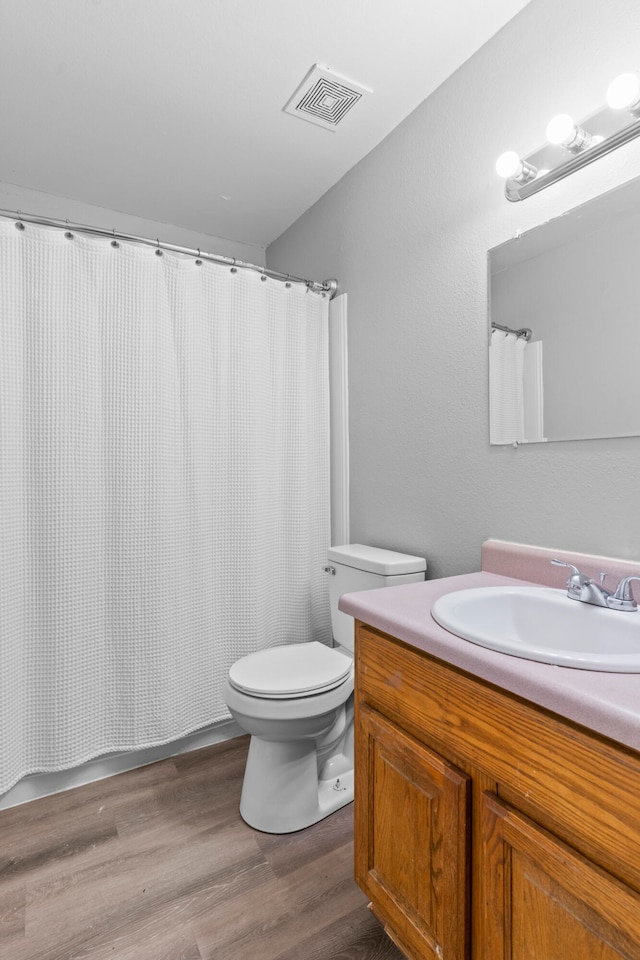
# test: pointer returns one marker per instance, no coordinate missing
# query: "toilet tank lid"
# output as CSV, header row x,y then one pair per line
x,y
376,560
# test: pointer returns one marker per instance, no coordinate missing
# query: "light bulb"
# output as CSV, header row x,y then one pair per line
x,y
624,92
512,167
508,164
561,130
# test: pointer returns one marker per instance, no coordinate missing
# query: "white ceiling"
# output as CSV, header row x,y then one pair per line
x,y
171,110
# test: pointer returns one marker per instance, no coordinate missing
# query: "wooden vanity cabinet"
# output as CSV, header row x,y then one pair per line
x,y
487,828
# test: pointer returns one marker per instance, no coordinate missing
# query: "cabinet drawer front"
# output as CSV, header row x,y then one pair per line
x,y
412,838
543,900
578,785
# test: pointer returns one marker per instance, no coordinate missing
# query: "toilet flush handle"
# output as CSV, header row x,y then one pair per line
x,y
331,570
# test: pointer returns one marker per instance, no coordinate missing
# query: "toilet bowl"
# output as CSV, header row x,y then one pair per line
x,y
296,701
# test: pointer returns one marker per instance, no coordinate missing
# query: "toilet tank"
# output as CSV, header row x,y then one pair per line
x,y
356,566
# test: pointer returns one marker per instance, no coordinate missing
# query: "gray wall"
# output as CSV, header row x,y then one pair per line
x,y
38,203
406,232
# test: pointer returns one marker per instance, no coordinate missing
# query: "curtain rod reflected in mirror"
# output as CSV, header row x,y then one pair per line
x,y
523,332
571,146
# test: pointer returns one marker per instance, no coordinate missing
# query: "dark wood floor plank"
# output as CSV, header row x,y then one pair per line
x,y
157,864
141,878
13,905
56,827
309,899
288,852
163,943
355,936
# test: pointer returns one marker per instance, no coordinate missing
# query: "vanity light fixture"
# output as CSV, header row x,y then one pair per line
x,y
571,146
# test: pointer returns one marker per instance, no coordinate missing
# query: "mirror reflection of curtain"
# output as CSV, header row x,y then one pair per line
x,y
533,393
506,386
516,389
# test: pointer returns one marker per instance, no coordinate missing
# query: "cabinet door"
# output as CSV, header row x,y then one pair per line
x,y
412,839
543,900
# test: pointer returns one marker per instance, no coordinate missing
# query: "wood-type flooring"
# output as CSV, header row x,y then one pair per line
x,y
157,864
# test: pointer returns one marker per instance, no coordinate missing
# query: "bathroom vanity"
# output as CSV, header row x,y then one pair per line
x,y
497,807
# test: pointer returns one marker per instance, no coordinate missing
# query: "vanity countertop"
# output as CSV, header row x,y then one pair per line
x,y
608,703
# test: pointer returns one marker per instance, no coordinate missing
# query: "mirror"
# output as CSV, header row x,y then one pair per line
x,y
575,283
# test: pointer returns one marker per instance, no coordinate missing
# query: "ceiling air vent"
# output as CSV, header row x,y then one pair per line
x,y
324,97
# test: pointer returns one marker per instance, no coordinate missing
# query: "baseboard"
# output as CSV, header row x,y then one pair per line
x,y
44,784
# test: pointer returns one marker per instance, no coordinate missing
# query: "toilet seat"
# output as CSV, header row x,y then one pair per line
x,y
290,671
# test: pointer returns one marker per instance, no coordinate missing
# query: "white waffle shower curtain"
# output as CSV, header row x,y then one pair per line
x,y
164,486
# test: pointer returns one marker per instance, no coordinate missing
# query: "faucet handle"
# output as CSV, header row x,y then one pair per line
x,y
623,599
563,563
577,580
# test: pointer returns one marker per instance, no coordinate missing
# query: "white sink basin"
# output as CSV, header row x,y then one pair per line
x,y
539,623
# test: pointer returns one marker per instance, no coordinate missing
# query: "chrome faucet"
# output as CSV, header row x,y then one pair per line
x,y
583,588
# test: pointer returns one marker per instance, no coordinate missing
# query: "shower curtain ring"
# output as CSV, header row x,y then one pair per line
x,y
234,269
158,251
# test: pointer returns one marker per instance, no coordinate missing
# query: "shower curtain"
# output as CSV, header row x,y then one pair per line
x,y
164,489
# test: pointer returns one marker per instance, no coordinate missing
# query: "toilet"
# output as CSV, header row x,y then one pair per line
x,y
296,701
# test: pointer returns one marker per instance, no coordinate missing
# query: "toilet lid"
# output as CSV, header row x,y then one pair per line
x,y
297,669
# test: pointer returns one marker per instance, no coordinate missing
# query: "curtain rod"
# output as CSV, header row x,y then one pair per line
x,y
324,286
523,332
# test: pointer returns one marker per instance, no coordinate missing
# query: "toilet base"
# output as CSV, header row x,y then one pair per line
x,y
282,791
